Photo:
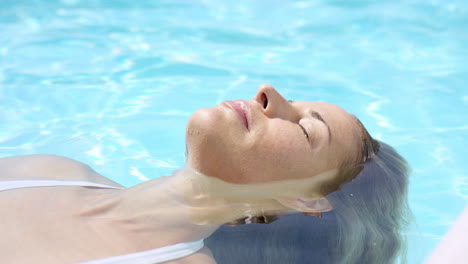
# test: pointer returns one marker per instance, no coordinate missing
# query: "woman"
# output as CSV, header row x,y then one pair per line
x,y
263,157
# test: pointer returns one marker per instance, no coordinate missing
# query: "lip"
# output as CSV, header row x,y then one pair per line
x,y
242,110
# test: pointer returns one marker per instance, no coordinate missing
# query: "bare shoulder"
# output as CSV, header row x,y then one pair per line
x,y
50,167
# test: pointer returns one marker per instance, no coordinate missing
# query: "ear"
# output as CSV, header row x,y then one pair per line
x,y
306,205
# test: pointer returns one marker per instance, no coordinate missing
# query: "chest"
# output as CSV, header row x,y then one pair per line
x,y
44,223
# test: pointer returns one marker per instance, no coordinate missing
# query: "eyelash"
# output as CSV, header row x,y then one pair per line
x,y
305,131
316,116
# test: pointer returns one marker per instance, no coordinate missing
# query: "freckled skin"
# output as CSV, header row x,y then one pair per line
x,y
275,148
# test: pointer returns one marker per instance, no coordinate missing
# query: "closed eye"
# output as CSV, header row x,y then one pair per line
x,y
317,116
305,131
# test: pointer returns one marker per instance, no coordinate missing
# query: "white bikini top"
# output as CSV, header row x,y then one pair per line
x,y
154,256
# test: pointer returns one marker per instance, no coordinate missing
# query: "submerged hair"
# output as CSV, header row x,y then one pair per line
x,y
372,210
370,204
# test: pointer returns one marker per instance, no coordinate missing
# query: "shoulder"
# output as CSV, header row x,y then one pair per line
x,y
48,167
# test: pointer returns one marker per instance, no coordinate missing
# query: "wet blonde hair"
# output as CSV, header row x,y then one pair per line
x,y
371,209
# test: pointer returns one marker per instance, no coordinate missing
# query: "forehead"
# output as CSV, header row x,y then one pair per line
x,y
324,109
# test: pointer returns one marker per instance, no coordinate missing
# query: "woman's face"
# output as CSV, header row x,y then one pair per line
x,y
270,139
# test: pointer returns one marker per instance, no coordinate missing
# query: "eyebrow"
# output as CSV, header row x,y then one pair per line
x,y
318,116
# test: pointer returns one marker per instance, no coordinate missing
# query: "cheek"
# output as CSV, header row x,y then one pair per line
x,y
280,156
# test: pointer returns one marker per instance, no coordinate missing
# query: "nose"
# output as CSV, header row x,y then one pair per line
x,y
273,104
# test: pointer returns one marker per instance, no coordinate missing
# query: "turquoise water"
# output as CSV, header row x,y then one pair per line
x,y
112,83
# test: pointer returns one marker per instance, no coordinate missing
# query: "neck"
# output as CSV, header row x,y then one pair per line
x,y
190,206
184,207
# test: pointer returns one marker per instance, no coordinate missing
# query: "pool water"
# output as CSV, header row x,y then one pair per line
x,y
112,83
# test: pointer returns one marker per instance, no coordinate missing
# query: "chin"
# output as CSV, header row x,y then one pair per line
x,y
201,134
213,138
202,122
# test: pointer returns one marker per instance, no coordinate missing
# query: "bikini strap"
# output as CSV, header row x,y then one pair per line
x,y
9,185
